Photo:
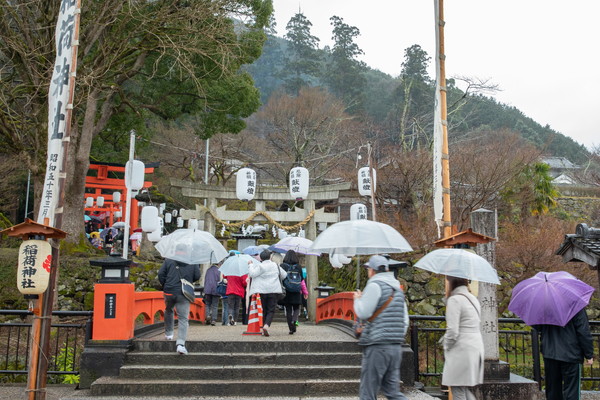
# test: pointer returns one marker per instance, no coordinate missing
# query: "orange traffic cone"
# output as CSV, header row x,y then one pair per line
x,y
255,317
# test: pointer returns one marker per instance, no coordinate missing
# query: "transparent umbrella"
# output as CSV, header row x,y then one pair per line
x,y
360,237
460,263
237,265
191,246
298,244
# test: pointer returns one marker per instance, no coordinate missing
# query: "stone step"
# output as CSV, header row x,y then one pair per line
x,y
223,358
241,346
226,373
116,386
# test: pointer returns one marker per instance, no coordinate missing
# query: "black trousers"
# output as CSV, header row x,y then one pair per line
x,y
562,380
269,303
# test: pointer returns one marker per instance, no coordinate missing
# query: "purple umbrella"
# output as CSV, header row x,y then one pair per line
x,y
549,298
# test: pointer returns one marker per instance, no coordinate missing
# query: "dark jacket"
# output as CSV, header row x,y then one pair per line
x,y
290,297
169,278
571,343
211,278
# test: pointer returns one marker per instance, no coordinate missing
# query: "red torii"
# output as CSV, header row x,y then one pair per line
x,y
105,186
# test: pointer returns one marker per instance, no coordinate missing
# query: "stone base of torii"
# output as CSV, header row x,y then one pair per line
x,y
263,194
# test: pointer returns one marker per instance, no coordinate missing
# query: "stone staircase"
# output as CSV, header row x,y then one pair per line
x,y
236,368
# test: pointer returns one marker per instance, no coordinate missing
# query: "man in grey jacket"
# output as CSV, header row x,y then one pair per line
x,y
383,335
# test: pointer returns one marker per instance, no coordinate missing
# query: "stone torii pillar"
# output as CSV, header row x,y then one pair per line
x,y
262,195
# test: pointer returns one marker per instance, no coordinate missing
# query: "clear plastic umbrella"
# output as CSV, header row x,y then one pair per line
x,y
360,237
191,246
460,263
237,265
298,244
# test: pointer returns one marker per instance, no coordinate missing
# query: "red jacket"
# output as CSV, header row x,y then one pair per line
x,y
236,285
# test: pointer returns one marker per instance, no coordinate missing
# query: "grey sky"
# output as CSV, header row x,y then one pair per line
x,y
542,54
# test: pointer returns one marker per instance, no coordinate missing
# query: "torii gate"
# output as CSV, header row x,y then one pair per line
x,y
263,194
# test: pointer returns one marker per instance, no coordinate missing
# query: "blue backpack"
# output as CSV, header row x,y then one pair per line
x,y
293,280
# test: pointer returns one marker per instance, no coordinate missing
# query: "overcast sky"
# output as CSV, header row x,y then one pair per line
x,y
543,54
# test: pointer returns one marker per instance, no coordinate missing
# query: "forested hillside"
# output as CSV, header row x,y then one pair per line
x,y
384,97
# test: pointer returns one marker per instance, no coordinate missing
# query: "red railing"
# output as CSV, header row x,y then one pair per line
x,y
117,306
336,306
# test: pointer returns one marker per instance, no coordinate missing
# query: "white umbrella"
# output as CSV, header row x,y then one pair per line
x,y
119,225
360,237
298,244
237,265
460,263
191,246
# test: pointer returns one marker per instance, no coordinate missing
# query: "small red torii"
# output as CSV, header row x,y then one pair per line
x,y
105,186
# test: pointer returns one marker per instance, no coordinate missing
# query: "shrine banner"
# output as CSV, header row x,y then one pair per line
x,y
58,101
33,272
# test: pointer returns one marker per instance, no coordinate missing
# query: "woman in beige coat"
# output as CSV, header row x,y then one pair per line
x,y
463,343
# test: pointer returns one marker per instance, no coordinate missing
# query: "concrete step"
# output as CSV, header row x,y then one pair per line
x,y
263,372
229,358
116,386
242,346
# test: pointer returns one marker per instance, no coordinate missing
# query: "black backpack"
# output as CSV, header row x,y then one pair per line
x,y
293,280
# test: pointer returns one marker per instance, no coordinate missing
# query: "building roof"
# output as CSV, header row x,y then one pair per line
x,y
583,246
559,163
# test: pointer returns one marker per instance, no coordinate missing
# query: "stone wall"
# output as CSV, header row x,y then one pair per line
x,y
583,209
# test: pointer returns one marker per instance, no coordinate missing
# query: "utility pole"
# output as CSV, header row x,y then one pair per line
x,y
371,175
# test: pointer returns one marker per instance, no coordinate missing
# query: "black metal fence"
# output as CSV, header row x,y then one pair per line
x,y
518,346
67,339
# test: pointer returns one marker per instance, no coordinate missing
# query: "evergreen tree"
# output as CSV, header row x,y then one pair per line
x,y
345,74
302,60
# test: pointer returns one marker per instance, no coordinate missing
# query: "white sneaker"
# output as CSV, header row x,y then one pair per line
x,y
169,337
181,349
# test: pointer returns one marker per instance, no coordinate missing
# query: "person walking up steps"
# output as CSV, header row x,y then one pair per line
x,y
169,276
266,278
211,297
295,289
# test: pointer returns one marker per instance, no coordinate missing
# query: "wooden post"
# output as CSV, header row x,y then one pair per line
x,y
447,220
312,269
373,189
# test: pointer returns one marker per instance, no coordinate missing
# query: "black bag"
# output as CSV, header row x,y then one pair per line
x,y
187,288
292,281
222,288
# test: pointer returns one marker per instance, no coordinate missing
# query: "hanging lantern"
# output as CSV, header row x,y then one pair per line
x,y
193,223
134,175
245,184
364,181
116,197
334,261
149,219
100,201
161,207
179,222
174,212
181,210
168,217
117,214
299,183
155,235
33,273
89,202
358,211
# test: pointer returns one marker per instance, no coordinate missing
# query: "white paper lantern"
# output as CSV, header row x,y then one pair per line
x,y
168,217
155,236
116,197
100,201
134,175
181,210
245,184
193,223
334,261
89,202
33,272
364,181
161,207
174,213
299,178
358,211
149,219
117,214
179,222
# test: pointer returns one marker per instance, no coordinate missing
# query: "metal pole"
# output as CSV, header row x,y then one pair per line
x,y
27,196
128,197
447,220
373,189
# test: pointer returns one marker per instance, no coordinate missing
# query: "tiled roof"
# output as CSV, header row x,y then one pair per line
x,y
585,242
